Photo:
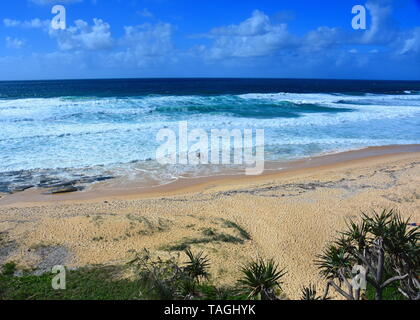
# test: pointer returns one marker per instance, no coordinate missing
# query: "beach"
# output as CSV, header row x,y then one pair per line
x,y
221,157
289,215
81,132
82,181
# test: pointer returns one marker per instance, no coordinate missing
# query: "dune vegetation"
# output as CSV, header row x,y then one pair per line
x,y
382,244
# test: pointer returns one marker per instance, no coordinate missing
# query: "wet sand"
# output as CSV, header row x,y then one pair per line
x,y
290,215
123,189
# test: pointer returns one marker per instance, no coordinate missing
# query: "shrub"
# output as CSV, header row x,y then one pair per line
x,y
197,266
261,279
310,294
387,248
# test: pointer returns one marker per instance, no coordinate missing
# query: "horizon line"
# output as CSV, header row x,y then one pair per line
x,y
206,78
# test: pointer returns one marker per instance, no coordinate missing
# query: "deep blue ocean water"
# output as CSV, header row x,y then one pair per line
x,y
110,126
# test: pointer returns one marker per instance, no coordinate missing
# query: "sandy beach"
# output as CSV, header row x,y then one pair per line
x,y
288,215
209,151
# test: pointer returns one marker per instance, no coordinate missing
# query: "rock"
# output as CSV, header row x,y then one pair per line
x,y
21,188
60,184
95,179
49,184
65,189
51,181
50,256
7,248
104,178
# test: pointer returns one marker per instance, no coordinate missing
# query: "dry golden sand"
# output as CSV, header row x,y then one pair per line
x,y
290,217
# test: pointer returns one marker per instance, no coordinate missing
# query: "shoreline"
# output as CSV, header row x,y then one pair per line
x,y
273,170
288,216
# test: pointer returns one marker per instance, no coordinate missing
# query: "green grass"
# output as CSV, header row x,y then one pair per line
x,y
211,235
8,269
93,283
209,232
84,284
243,233
101,283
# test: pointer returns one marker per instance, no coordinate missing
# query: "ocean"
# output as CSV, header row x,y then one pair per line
x,y
91,130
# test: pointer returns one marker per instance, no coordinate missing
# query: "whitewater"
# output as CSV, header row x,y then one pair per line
x,y
117,135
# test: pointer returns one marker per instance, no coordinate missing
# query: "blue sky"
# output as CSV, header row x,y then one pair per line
x,y
210,38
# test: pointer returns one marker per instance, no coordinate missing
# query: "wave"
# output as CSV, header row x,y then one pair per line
x,y
321,98
45,108
58,117
85,131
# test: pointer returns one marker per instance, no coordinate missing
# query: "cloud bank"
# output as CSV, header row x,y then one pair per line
x,y
257,43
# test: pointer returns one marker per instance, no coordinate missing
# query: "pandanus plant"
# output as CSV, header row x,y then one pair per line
x,y
384,245
167,279
261,279
310,294
197,266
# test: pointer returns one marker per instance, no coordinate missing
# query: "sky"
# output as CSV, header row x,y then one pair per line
x,y
210,38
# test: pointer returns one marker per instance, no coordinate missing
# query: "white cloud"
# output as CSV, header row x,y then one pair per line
x,y
11,23
144,45
383,30
257,42
140,46
14,43
84,36
31,24
258,36
382,27
412,43
254,37
145,13
148,39
322,38
257,24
